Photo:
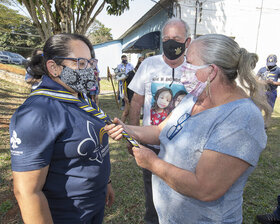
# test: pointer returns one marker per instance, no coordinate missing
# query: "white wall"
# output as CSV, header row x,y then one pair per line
x,y
253,23
268,41
108,54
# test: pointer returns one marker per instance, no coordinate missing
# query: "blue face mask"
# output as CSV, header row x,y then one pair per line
x,y
80,80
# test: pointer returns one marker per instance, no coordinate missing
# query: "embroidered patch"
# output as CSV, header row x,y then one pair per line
x,y
15,141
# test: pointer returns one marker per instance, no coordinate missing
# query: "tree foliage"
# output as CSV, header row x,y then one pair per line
x,y
7,2
98,33
17,33
71,16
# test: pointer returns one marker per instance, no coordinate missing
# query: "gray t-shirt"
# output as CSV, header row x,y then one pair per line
x,y
235,129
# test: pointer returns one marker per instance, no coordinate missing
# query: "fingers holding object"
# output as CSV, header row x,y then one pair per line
x,y
114,131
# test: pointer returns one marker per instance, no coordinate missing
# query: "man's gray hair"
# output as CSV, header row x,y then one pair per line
x,y
177,20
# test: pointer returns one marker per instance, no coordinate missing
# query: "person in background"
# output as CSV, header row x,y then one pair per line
x,y
271,218
123,68
156,72
29,77
270,75
94,92
212,140
59,150
128,93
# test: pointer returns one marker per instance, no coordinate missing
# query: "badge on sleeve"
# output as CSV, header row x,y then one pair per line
x,y
15,141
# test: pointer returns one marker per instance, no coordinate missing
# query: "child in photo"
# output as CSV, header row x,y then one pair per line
x,y
160,108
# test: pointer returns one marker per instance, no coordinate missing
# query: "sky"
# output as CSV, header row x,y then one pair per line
x,y
120,24
117,24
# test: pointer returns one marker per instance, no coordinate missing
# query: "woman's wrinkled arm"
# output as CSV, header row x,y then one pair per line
x,y
215,173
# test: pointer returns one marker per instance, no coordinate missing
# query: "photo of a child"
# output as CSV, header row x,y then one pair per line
x,y
160,108
177,99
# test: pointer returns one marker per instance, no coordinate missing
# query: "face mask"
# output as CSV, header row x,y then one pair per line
x,y
270,67
173,49
124,61
190,81
81,80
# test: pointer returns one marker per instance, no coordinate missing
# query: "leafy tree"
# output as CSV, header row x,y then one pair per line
x,y
71,16
17,33
98,33
8,2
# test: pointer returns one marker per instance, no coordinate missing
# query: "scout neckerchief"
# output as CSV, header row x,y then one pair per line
x,y
83,103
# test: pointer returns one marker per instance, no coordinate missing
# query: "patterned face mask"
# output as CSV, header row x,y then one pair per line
x,y
190,81
81,80
173,49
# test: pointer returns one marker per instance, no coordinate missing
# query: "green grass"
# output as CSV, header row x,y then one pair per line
x,y
107,85
260,192
126,175
262,188
6,206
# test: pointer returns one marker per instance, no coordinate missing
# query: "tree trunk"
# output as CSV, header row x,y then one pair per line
x,y
70,16
31,9
42,19
83,21
96,14
53,24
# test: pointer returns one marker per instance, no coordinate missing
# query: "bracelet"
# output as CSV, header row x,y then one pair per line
x,y
110,181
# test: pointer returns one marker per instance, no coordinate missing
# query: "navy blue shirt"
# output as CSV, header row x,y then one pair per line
x,y
45,131
273,74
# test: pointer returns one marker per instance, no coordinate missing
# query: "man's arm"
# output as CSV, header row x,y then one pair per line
x,y
135,107
273,83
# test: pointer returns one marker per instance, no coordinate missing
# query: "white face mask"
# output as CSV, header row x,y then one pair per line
x,y
190,81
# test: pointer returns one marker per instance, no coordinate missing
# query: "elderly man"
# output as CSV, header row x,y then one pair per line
x,y
155,73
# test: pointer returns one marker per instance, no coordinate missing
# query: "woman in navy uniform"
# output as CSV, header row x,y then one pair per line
x,y
59,149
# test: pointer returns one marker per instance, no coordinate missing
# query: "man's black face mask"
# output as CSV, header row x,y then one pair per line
x,y
173,49
270,67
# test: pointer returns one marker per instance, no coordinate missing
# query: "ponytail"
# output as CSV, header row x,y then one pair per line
x,y
247,62
36,67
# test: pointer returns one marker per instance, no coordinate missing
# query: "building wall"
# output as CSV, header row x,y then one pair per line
x,y
155,23
251,23
108,54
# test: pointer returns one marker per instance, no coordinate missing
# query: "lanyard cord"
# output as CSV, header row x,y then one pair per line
x,y
173,70
65,96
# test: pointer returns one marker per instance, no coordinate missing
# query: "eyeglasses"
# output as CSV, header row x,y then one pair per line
x,y
175,129
82,62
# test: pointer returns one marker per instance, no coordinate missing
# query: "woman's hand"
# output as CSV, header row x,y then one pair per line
x,y
115,131
145,157
110,196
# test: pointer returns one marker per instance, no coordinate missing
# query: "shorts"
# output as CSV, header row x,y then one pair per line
x,y
94,92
